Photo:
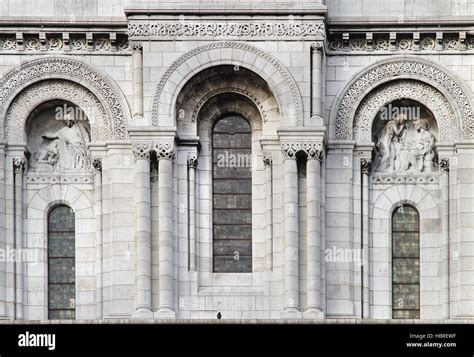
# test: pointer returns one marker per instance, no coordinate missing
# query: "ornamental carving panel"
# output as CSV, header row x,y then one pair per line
x,y
48,90
296,104
418,91
226,29
411,67
79,71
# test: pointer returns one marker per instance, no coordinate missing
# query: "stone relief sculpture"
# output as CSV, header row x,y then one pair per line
x,y
404,146
64,149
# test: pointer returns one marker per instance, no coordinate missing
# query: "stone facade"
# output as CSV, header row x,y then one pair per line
x,y
110,109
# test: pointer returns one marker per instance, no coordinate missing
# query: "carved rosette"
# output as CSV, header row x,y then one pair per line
x,y
97,164
19,165
164,151
444,165
366,166
192,160
267,159
312,150
141,151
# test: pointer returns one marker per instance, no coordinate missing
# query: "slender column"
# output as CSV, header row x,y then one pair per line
x,y
19,167
444,183
365,168
313,174
268,161
3,235
165,154
143,306
137,57
316,74
97,163
291,283
192,164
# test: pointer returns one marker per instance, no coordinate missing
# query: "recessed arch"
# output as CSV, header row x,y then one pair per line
x,y
402,67
185,67
65,68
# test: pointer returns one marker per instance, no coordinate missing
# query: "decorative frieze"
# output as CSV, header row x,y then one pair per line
x,y
390,179
226,29
312,150
403,42
51,179
54,42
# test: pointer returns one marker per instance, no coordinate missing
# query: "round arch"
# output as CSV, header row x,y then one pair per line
x,y
63,68
404,67
273,72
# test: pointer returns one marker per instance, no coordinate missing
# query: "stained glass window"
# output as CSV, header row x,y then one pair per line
x,y
61,264
405,263
232,195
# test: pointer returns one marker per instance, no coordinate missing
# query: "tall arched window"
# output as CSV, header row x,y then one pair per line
x,y
405,263
61,264
232,195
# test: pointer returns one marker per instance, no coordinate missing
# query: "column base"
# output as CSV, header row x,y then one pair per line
x,y
165,314
143,313
291,313
314,314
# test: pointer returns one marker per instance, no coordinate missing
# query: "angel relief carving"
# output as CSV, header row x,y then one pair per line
x,y
405,146
62,147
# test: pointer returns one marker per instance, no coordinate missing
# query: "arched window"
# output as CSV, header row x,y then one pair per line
x,y
61,264
405,263
232,195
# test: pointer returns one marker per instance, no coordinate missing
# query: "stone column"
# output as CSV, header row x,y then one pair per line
x,y
316,79
366,165
143,308
444,186
291,234
268,161
165,154
19,168
192,164
137,57
97,163
3,235
313,174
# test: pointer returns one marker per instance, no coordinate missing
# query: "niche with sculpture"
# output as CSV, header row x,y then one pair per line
x,y
405,133
58,134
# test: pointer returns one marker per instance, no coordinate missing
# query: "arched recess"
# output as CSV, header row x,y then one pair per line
x,y
405,89
273,72
62,68
36,274
386,202
41,92
410,68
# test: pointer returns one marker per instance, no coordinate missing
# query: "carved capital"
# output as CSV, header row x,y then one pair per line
x,y
19,165
444,165
267,159
314,154
164,151
136,46
366,166
97,164
312,150
317,46
141,151
192,160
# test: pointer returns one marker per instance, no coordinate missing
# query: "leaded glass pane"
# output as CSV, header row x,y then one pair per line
x,y
232,195
61,263
405,263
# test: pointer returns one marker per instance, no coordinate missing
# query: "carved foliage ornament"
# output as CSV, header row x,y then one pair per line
x,y
366,166
19,165
226,29
81,72
312,150
407,67
297,104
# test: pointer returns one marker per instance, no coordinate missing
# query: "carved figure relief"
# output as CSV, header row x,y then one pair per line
x,y
405,146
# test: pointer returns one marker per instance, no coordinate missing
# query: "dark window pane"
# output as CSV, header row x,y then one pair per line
x,y
405,263
61,264
232,195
